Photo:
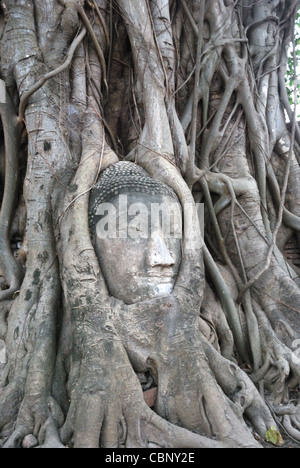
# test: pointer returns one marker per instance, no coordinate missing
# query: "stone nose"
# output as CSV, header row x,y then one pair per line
x,y
159,254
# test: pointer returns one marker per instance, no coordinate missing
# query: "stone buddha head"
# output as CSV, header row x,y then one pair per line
x,y
136,227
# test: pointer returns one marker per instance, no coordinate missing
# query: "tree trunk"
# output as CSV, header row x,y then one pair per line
x,y
192,91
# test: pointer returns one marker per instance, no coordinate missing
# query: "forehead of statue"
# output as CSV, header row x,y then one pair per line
x,y
146,204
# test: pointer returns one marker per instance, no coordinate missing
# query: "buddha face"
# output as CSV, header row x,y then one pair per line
x,y
138,244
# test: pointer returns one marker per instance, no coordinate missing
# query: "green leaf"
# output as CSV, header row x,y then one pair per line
x,y
274,437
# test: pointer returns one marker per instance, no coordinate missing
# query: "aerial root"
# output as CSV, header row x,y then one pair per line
x,y
289,418
26,96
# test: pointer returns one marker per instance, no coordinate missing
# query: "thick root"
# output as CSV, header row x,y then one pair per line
x,y
107,405
51,435
33,414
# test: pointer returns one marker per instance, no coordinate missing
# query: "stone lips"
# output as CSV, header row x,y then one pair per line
x,y
122,178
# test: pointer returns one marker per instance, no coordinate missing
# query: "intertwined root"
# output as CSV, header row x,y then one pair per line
x,y
242,392
288,417
280,369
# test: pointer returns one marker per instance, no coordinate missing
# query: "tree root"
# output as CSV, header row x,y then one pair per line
x,y
289,423
119,417
164,434
12,131
241,391
228,304
16,439
51,435
289,418
281,369
26,379
115,412
26,96
39,423
213,316
4,311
